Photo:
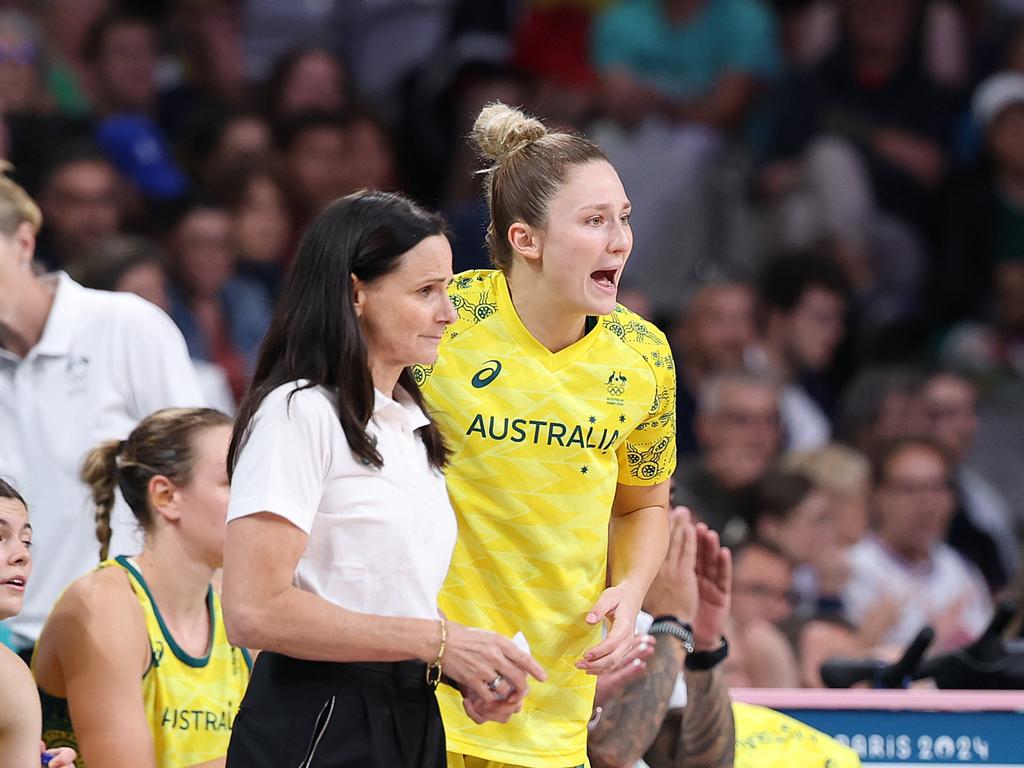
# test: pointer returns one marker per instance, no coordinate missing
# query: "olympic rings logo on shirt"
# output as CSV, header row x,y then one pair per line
x,y
616,384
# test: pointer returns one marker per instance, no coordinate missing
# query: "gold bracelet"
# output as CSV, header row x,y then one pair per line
x,y
434,669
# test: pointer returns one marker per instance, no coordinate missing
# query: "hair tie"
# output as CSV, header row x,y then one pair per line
x,y
120,461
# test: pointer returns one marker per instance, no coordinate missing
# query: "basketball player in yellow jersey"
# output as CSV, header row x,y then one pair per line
x,y
133,665
559,408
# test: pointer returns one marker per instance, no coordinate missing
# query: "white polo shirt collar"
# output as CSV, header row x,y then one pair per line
x,y
380,539
59,331
103,362
401,407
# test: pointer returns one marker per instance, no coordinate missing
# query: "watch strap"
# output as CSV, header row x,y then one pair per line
x,y
702,661
677,629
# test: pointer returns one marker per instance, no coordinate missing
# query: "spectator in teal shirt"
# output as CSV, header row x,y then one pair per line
x,y
678,78
699,60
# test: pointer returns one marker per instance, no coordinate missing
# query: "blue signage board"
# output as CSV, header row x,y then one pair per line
x,y
936,739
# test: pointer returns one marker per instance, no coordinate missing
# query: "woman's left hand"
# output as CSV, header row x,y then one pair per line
x,y
60,757
500,711
621,605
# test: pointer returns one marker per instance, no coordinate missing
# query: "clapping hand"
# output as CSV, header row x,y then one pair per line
x,y
674,589
714,589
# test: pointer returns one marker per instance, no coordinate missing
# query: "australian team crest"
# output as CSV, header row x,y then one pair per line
x,y
616,384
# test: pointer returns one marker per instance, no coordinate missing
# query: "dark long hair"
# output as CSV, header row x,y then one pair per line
x,y
315,334
7,491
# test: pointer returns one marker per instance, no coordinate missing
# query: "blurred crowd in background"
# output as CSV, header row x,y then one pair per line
x,y
828,220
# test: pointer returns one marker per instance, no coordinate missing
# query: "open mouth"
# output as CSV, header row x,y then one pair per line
x,y
18,582
604,278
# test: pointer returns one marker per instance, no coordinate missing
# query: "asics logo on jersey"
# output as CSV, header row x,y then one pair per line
x,y
487,374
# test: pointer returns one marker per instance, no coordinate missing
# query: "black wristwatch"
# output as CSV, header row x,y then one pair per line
x,y
702,661
676,627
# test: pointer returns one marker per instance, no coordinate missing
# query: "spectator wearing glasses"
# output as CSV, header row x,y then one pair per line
x,y
762,585
906,561
738,430
762,598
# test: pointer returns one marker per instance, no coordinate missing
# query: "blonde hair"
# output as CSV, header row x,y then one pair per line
x,y
528,166
834,468
163,443
16,206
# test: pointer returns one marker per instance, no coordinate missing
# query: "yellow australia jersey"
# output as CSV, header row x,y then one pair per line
x,y
768,739
539,442
190,702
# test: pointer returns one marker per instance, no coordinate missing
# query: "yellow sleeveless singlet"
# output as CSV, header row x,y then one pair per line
x,y
190,701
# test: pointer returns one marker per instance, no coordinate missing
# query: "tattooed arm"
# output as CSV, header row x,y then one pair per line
x,y
639,721
701,736
630,722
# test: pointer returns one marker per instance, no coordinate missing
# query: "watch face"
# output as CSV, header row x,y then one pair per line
x,y
705,660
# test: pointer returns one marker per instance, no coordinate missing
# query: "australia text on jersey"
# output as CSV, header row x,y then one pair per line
x,y
198,719
537,431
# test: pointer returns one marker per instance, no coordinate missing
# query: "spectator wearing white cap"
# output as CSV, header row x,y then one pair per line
x,y
983,225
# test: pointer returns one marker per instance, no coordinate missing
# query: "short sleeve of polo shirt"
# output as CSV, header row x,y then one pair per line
x,y
648,454
151,352
284,462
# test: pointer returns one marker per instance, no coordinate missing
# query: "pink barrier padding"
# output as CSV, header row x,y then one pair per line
x,y
916,700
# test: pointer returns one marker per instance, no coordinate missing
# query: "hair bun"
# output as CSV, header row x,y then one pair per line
x,y
501,130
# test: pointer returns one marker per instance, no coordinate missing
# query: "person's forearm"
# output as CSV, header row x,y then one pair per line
x,y
709,734
704,734
638,544
629,723
305,626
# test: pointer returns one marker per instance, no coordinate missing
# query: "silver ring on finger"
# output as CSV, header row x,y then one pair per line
x,y
493,685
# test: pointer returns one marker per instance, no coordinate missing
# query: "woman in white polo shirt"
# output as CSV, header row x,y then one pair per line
x,y
340,530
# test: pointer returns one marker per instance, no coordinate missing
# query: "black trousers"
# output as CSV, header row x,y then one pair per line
x,y
309,714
